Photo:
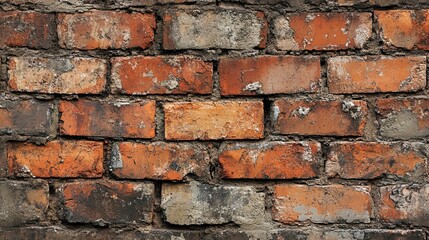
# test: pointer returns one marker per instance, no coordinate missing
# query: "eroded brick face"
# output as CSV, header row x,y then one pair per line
x,y
105,30
27,29
322,31
162,75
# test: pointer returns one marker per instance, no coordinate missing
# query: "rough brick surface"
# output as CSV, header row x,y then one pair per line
x,y
229,29
108,202
403,118
162,75
196,204
363,160
309,203
214,120
271,160
22,202
333,118
405,203
27,29
377,74
124,119
269,75
62,159
26,117
407,29
322,31
164,161
57,75
105,29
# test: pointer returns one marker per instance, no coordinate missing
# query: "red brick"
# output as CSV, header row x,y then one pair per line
x,y
106,30
269,75
223,28
27,29
318,117
57,75
108,202
62,159
405,204
108,119
26,117
367,160
376,74
162,75
161,161
404,118
214,120
407,29
272,160
322,31
22,202
322,204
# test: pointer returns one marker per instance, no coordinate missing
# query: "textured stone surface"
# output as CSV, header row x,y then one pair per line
x,y
197,204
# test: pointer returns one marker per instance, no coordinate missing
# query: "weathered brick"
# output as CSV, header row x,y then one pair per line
x,y
108,202
376,74
27,29
105,30
322,31
197,204
223,28
345,234
367,160
271,160
318,117
165,161
269,75
214,120
162,75
381,3
405,204
108,119
407,29
300,203
65,159
153,2
22,202
57,75
26,117
3,159
404,118
54,232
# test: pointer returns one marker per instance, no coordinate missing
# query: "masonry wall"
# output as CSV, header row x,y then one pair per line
x,y
212,119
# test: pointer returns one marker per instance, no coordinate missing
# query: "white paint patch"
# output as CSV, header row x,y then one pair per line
x,y
256,86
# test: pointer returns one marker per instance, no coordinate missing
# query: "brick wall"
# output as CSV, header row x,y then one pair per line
x,y
214,119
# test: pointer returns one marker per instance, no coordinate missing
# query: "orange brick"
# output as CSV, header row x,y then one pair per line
x,y
322,31
404,118
57,75
108,119
405,204
65,159
269,75
376,74
407,29
108,202
105,30
163,161
331,118
27,29
272,160
322,204
214,120
367,160
162,75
